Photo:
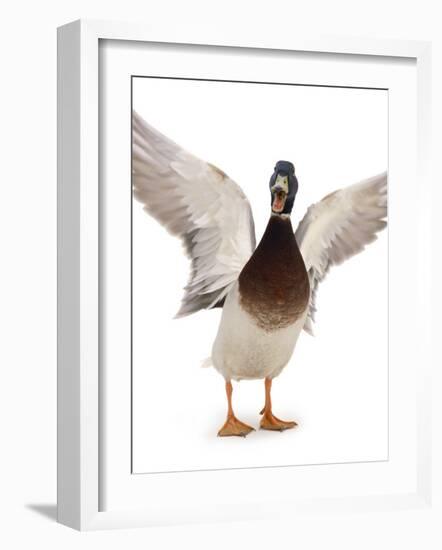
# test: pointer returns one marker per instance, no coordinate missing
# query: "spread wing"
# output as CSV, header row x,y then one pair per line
x,y
199,203
339,226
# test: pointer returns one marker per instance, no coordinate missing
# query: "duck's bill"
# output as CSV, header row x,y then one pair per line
x,y
278,201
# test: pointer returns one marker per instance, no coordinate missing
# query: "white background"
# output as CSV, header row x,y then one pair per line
x,y
28,399
336,385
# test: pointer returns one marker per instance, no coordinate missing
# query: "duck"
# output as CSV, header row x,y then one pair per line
x,y
266,292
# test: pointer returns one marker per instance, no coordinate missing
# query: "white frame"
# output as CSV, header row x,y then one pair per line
x,y
78,252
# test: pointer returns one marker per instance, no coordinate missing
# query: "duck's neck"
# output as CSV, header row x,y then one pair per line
x,y
279,229
278,239
282,216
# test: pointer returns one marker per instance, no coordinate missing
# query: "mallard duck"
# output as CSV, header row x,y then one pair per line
x,y
267,292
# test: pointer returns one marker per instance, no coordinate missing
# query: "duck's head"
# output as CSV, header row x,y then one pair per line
x,y
283,187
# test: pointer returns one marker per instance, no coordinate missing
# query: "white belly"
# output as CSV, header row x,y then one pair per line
x,y
242,350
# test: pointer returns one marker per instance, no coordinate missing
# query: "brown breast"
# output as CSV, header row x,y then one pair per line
x,y
274,286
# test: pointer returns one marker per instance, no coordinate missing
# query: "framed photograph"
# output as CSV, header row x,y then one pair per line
x,y
244,276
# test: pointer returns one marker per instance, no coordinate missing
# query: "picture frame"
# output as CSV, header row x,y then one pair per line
x,y
80,388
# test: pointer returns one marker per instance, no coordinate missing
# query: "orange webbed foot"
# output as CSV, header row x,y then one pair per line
x,y
271,422
233,426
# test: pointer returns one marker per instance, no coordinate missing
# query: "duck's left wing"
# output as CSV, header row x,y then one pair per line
x,y
199,203
339,226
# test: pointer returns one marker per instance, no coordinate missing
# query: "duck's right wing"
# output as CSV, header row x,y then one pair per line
x,y
199,203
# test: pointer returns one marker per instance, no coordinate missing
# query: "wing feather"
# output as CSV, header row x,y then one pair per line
x,y
338,227
197,202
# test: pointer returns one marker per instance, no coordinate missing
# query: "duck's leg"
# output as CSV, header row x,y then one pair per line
x,y
268,420
233,426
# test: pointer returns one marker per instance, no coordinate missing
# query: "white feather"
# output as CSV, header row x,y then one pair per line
x,y
198,202
244,351
339,226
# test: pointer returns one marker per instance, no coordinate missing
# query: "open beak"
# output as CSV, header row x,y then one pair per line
x,y
279,197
